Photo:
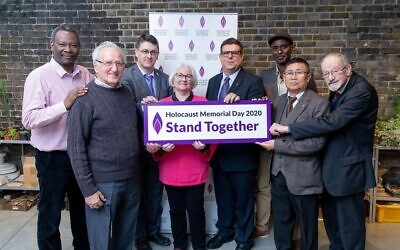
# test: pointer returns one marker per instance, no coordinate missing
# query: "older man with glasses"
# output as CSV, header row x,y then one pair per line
x,y
104,148
347,163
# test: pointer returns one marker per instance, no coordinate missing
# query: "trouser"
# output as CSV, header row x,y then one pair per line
x,y
234,193
190,199
113,225
263,194
56,179
288,207
344,219
150,209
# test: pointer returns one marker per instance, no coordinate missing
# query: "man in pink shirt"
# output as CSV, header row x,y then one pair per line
x,y
50,91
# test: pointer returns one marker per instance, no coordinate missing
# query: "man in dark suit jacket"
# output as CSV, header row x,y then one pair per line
x,y
234,165
296,166
347,166
148,85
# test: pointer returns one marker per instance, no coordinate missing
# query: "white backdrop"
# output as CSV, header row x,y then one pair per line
x,y
195,39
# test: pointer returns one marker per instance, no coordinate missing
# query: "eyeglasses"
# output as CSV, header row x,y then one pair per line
x,y
146,52
109,64
182,76
295,73
231,53
333,72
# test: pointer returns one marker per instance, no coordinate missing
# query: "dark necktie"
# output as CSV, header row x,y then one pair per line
x,y
291,100
150,83
334,100
224,89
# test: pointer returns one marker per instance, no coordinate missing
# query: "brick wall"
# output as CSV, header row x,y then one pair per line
x,y
367,31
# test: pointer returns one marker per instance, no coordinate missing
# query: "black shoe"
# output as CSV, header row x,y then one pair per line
x,y
243,247
160,239
217,241
143,245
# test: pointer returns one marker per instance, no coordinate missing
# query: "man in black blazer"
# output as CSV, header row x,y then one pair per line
x,y
234,165
296,164
347,165
148,85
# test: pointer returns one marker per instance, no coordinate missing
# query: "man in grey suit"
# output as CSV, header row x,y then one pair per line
x,y
148,85
295,165
282,47
347,163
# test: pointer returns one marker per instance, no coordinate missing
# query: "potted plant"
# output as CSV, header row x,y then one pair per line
x,y
12,134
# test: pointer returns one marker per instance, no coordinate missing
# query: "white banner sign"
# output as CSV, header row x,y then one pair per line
x,y
209,122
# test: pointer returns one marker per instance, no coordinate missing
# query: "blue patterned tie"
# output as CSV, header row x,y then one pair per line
x,y
150,83
224,89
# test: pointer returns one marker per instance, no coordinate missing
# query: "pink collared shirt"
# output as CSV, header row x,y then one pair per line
x,y
43,110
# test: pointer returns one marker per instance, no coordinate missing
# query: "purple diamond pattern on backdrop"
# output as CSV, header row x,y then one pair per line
x,y
181,21
160,21
223,22
170,45
202,21
212,46
201,71
191,45
157,123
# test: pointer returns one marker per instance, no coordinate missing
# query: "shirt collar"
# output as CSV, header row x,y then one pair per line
x,y
61,71
143,72
298,96
105,85
232,77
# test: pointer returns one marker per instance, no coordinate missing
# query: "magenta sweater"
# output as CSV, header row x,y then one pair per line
x,y
184,166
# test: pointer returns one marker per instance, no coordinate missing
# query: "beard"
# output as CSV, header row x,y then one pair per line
x,y
334,86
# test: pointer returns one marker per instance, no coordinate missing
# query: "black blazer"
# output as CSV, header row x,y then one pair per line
x,y
347,165
244,156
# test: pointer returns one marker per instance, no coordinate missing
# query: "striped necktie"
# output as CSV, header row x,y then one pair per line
x,y
150,83
224,89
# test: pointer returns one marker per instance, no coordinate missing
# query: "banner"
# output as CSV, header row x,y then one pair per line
x,y
208,122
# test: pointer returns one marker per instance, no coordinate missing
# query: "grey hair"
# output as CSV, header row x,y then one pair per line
x,y
184,65
107,44
343,58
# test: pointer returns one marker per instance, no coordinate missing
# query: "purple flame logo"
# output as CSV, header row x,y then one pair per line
x,y
170,45
160,21
209,188
181,21
223,22
157,123
191,45
212,46
201,71
202,21
161,69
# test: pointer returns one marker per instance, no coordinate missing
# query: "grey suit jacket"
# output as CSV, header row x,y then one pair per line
x,y
134,80
271,87
302,158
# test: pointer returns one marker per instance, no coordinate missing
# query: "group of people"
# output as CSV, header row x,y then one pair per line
x,y
87,132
